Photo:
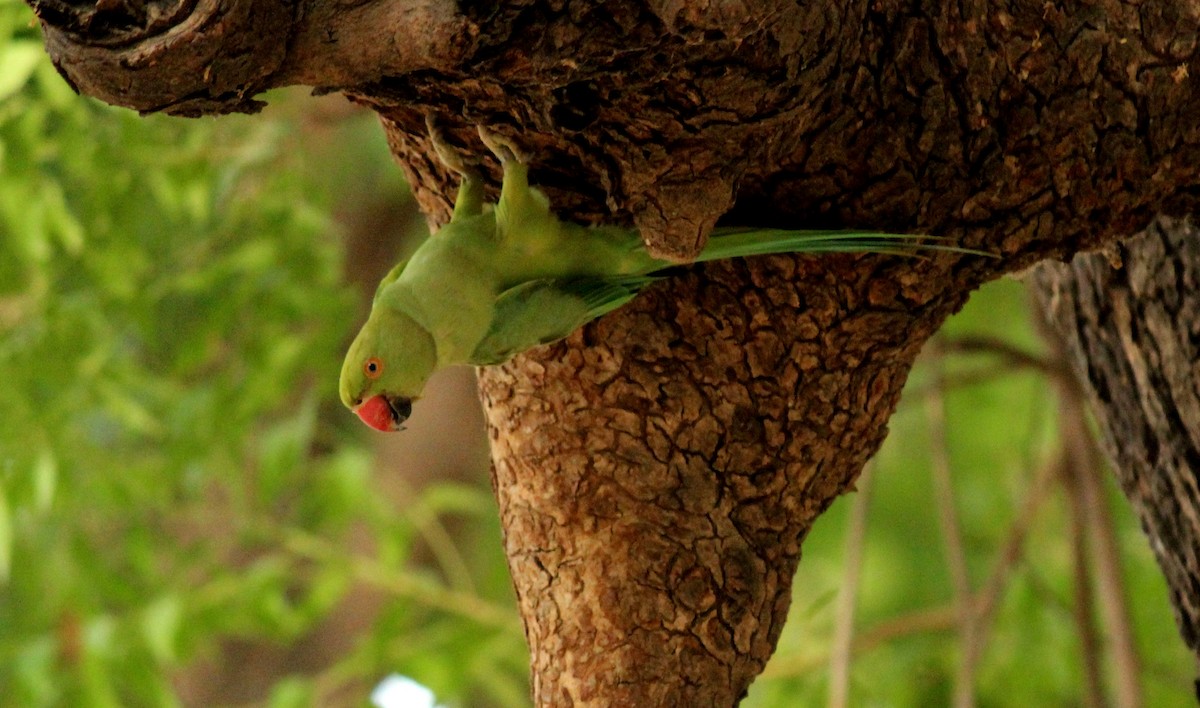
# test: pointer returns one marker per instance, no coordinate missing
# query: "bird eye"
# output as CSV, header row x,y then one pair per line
x,y
373,367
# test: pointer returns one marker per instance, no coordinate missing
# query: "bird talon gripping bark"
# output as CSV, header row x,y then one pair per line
x,y
449,156
470,189
504,149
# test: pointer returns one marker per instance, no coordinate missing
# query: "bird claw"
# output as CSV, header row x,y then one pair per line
x,y
504,149
446,152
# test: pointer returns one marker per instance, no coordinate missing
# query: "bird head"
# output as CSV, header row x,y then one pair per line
x,y
386,369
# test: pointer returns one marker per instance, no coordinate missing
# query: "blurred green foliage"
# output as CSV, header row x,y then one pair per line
x,y
176,479
175,471
1001,428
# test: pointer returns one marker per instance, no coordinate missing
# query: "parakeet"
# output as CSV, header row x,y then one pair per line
x,y
500,279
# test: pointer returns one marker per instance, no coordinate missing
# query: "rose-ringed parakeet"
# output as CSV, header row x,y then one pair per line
x,y
500,279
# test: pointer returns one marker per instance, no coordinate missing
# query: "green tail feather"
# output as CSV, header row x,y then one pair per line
x,y
739,242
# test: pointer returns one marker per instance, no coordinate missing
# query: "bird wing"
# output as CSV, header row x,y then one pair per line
x,y
538,312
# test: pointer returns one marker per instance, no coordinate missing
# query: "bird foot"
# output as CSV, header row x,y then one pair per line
x,y
504,149
446,152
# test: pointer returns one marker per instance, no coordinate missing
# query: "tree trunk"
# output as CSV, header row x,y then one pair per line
x,y
657,472
1131,322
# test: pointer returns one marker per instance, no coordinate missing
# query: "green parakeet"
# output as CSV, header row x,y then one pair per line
x,y
500,279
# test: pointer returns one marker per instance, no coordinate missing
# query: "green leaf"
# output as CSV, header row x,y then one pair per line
x,y
161,622
292,692
17,62
6,537
45,480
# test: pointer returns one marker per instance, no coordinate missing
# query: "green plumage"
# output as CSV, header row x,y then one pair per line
x,y
501,279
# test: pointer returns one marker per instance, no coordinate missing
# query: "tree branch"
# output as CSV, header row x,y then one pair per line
x,y
195,57
1130,331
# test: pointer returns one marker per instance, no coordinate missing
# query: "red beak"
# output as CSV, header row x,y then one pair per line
x,y
378,413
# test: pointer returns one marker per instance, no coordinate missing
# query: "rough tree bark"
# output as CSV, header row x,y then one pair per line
x,y
657,472
1131,322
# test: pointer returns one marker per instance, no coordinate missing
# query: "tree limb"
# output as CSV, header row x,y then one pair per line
x,y
1131,330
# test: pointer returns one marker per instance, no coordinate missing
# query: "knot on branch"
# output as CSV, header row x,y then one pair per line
x,y
185,57
112,22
